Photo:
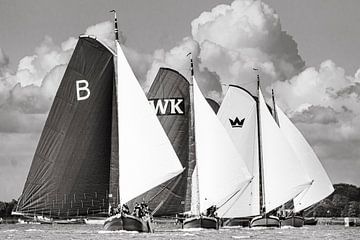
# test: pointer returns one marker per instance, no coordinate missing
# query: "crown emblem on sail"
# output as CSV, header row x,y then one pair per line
x,y
236,123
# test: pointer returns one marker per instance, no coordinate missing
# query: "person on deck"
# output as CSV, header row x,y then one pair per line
x,y
125,209
137,210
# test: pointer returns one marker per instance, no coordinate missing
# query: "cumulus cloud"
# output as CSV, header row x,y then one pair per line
x,y
27,93
234,38
324,104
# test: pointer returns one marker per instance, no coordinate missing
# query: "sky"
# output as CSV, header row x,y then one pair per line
x,y
306,50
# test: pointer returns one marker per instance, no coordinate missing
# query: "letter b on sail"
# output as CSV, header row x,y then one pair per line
x,y
82,90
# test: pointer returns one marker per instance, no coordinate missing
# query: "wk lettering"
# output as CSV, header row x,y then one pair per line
x,y
236,123
170,106
82,90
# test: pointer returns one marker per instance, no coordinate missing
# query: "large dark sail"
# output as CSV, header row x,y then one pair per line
x,y
70,171
169,94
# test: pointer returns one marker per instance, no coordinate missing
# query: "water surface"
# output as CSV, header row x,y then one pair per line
x,y
64,232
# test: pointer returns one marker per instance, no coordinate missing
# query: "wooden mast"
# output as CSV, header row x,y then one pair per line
x,y
261,170
192,137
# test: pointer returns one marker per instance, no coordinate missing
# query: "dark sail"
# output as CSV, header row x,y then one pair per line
x,y
69,174
213,104
169,94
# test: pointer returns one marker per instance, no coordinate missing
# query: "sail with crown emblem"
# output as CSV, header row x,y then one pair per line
x,y
278,160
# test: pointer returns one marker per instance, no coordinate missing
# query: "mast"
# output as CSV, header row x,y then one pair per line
x,y
261,170
116,172
116,31
274,108
192,140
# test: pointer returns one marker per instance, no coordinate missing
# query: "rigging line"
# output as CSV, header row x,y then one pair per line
x,y
166,187
241,190
303,193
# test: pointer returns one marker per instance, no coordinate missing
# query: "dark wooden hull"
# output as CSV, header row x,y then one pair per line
x,y
127,223
310,221
265,221
233,222
201,222
294,221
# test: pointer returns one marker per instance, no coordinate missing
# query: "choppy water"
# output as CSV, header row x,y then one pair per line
x,y
64,232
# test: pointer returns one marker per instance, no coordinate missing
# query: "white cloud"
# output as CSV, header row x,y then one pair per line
x,y
234,38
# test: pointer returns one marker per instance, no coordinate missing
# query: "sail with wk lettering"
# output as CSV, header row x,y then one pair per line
x,y
70,171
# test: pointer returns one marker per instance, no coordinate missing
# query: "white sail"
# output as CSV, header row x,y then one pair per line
x,y
146,156
238,103
321,186
284,177
221,170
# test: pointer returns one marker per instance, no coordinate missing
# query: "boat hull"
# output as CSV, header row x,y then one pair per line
x,y
201,222
294,221
127,223
233,222
265,221
310,221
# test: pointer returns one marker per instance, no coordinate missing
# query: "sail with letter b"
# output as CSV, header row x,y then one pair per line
x,y
69,174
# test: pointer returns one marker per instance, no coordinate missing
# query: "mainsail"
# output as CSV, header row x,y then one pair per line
x,y
221,170
146,157
284,177
240,105
69,174
321,185
170,88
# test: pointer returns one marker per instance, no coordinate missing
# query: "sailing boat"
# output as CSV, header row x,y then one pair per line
x,y
146,156
219,171
169,95
277,175
69,175
321,186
